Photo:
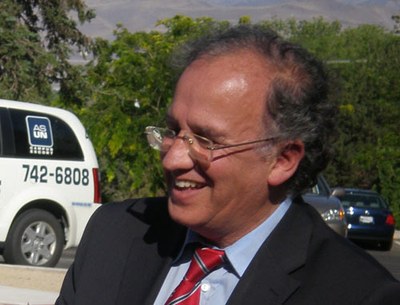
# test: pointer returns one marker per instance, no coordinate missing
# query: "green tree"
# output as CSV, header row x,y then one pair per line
x,y
132,87
363,63
36,42
369,145
317,35
129,85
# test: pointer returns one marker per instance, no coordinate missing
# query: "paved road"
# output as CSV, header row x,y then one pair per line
x,y
390,259
67,258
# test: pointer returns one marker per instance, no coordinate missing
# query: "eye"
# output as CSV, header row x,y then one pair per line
x,y
174,127
207,137
203,141
172,123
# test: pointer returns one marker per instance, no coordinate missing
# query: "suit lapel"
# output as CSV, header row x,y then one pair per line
x,y
143,276
150,257
269,278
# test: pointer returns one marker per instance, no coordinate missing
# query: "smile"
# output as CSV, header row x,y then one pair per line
x,y
186,184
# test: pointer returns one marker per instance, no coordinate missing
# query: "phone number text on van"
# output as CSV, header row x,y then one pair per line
x,y
61,175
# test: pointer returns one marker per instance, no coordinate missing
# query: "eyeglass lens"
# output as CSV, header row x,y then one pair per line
x,y
163,139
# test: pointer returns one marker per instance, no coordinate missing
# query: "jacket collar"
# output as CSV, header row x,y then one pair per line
x,y
283,253
152,250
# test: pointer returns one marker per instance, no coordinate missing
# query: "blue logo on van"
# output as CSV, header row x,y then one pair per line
x,y
40,135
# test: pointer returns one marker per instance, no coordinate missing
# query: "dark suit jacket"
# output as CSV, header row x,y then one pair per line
x,y
128,247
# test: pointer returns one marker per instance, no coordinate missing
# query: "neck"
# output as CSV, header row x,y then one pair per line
x,y
226,236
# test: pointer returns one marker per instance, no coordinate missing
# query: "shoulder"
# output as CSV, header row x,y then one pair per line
x,y
336,262
117,225
326,263
132,218
121,221
131,211
327,245
128,235
136,204
387,293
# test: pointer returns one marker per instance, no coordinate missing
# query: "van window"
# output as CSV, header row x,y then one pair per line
x,y
7,142
1,138
43,136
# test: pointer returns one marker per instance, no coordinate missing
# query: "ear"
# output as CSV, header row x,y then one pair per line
x,y
286,163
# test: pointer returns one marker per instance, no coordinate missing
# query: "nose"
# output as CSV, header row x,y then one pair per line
x,y
177,157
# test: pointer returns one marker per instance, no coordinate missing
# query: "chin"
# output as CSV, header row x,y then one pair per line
x,y
184,215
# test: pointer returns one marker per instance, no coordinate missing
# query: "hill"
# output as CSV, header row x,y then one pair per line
x,y
142,15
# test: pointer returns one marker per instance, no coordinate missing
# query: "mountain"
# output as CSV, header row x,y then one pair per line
x,y
269,2
142,15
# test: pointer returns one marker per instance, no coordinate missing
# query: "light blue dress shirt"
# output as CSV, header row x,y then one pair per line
x,y
217,287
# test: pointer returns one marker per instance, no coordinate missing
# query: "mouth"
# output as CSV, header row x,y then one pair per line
x,y
187,185
185,193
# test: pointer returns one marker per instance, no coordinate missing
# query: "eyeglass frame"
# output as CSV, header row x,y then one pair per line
x,y
149,130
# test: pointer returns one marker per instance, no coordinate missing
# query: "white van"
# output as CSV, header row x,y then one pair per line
x,y
49,182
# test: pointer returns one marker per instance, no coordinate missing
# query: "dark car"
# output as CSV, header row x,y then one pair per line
x,y
369,217
328,205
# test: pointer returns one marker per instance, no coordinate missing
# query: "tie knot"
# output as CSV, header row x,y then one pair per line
x,y
203,262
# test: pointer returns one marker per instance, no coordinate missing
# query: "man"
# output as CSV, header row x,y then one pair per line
x,y
249,128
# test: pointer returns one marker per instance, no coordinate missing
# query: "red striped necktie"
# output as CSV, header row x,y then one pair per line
x,y
204,261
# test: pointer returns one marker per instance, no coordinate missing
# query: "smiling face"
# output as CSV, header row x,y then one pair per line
x,y
222,99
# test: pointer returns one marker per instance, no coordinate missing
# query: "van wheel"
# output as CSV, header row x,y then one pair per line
x,y
36,238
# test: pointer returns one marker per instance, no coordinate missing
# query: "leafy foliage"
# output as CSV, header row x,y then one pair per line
x,y
132,87
364,64
369,145
37,38
129,85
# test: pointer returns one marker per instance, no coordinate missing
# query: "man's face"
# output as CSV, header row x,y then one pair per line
x,y
222,99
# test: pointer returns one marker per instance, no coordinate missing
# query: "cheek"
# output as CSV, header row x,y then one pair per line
x,y
238,176
229,176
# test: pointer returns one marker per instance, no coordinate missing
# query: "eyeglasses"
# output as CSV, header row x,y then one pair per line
x,y
200,148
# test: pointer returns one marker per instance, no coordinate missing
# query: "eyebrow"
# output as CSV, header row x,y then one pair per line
x,y
204,131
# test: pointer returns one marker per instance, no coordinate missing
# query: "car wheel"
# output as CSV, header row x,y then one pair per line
x,y
387,245
36,238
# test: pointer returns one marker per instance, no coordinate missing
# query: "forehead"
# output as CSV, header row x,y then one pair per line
x,y
231,87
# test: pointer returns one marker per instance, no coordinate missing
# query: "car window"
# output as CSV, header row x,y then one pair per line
x,y
43,136
363,201
321,188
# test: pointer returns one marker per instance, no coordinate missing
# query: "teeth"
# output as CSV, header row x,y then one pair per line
x,y
186,184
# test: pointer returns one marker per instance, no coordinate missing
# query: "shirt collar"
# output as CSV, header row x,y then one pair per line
x,y
241,253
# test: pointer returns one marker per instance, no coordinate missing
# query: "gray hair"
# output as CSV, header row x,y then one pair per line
x,y
298,93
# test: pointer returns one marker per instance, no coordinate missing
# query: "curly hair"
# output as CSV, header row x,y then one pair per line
x,y
297,96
